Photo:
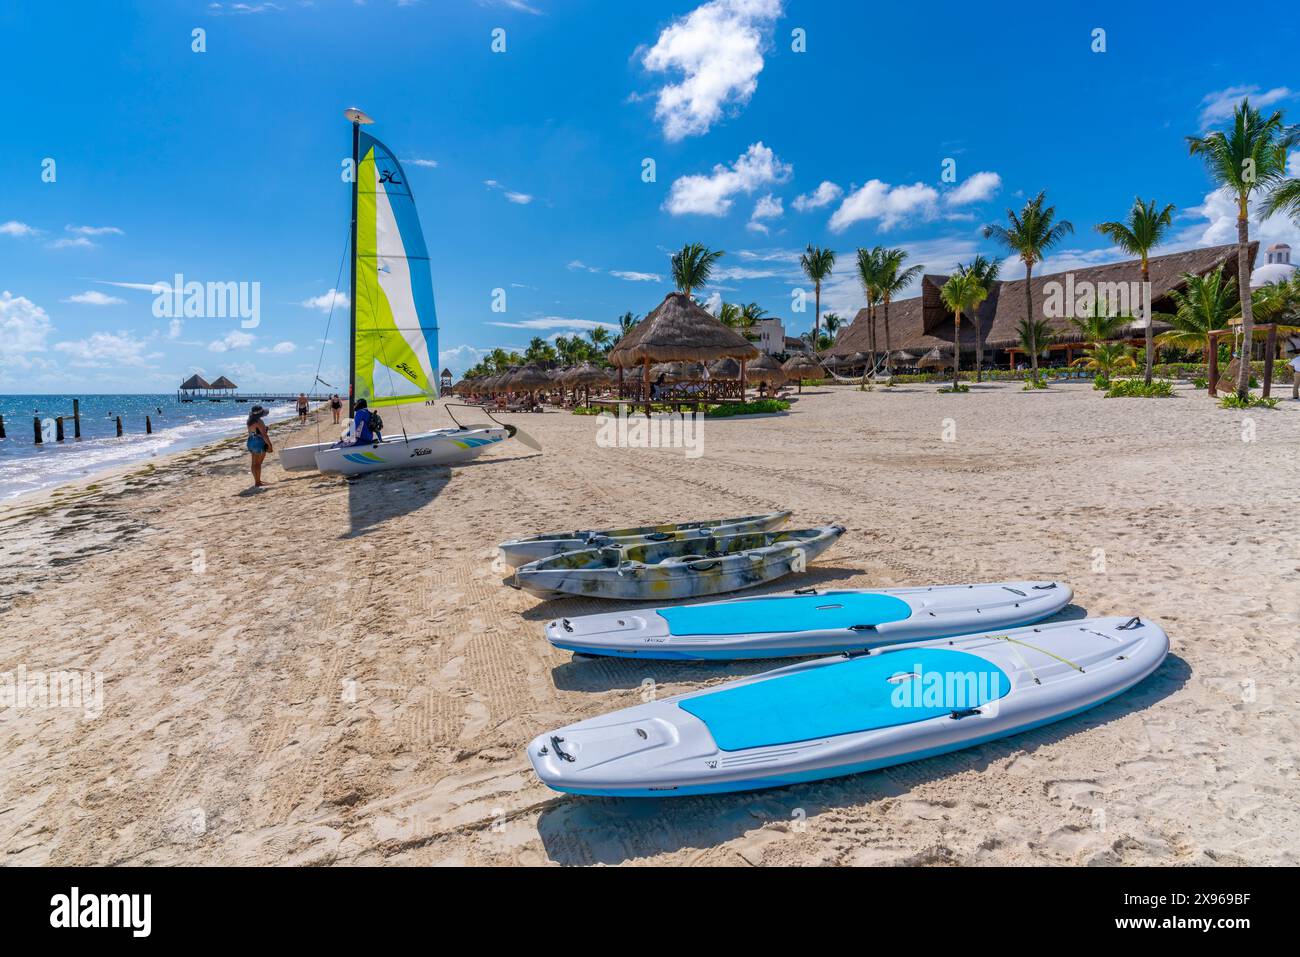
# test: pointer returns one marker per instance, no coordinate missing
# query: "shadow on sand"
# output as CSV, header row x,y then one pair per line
x,y
374,499
591,830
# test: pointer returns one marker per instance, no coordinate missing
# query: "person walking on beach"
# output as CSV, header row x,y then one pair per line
x,y
302,407
1295,375
336,406
259,443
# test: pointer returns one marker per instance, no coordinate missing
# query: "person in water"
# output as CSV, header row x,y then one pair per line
x,y
259,443
302,407
336,406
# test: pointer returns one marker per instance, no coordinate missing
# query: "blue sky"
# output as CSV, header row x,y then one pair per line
x,y
527,165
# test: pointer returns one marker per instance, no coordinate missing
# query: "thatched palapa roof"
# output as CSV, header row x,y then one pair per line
x,y
679,329
194,382
529,377
224,383
765,369
802,367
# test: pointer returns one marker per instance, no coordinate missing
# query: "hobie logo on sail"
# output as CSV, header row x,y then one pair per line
x,y
209,300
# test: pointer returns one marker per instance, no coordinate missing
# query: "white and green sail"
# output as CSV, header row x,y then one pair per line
x,y
396,330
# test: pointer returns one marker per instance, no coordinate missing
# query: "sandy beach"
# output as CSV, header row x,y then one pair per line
x,y
329,672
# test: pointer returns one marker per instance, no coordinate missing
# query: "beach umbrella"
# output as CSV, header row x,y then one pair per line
x,y
800,366
934,359
725,369
765,369
587,375
902,356
678,330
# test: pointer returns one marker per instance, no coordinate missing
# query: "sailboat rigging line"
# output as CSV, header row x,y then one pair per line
x,y
320,360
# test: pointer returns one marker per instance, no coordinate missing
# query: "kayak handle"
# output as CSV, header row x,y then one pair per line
x,y
701,566
659,537
560,753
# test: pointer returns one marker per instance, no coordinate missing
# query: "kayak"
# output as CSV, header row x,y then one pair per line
x,y
682,568
521,551
828,717
809,621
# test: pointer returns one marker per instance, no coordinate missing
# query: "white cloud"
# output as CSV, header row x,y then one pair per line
x,y
577,265
235,339
94,230
426,163
327,300
518,5
731,273
174,329
460,358
635,276
15,228
718,49
107,350
93,297
712,195
890,205
153,287
80,242
1064,260
522,199
974,189
1219,105
1214,223
280,349
24,327
557,322
217,9
825,194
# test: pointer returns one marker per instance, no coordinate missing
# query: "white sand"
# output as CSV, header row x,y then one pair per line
x,y
334,673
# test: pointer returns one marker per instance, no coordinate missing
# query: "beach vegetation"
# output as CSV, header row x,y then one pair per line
x,y
817,264
985,272
692,266
893,279
956,387
963,292
1248,158
1145,228
1249,402
1030,234
1035,336
757,407
1138,389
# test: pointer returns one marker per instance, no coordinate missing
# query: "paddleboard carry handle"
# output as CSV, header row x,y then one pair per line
x,y
805,591
956,715
862,627
1134,622
1048,587
560,753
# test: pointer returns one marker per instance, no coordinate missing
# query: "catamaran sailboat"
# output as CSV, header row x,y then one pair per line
x,y
394,328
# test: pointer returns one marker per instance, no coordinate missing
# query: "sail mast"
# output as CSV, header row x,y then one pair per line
x,y
356,118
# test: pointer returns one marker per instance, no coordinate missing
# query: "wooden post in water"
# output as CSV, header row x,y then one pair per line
x,y
36,424
58,428
119,426
148,426
76,418
2,426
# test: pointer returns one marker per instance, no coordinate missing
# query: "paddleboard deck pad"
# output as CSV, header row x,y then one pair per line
x,y
682,568
848,714
521,551
809,621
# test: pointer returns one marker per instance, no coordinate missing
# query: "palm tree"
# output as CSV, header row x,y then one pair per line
x,y
1142,232
1202,305
626,322
1251,156
729,314
1099,327
539,351
963,292
817,264
871,268
1107,358
1030,235
693,265
833,324
749,316
893,280
1035,336
986,272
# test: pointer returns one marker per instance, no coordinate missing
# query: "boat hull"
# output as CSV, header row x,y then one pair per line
x,y
521,551
830,717
302,458
808,622
444,447
678,569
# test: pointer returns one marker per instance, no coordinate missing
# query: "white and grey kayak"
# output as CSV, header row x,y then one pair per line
x,y
685,568
828,717
521,551
809,621
442,447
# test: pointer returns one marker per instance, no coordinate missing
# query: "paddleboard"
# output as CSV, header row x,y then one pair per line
x,y
809,621
828,717
521,551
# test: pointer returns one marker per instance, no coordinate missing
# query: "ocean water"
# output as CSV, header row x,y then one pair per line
x,y
26,466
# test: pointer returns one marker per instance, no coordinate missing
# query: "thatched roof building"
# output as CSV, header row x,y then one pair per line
x,y
224,383
194,383
923,323
679,329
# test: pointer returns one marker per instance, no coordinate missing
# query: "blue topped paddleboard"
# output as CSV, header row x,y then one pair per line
x,y
809,621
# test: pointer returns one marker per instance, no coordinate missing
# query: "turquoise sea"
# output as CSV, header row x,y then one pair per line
x,y
26,466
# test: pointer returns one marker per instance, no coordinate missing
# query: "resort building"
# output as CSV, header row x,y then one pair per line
x,y
923,323
769,335
1277,266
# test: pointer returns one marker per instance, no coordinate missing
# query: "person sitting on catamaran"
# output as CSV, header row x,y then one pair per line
x,y
362,433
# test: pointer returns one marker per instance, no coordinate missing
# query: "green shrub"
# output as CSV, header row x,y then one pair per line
x,y
959,387
1250,402
749,408
1101,382
1200,382
1137,389
1032,383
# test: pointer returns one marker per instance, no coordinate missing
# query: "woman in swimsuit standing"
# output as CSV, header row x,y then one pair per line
x,y
259,443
